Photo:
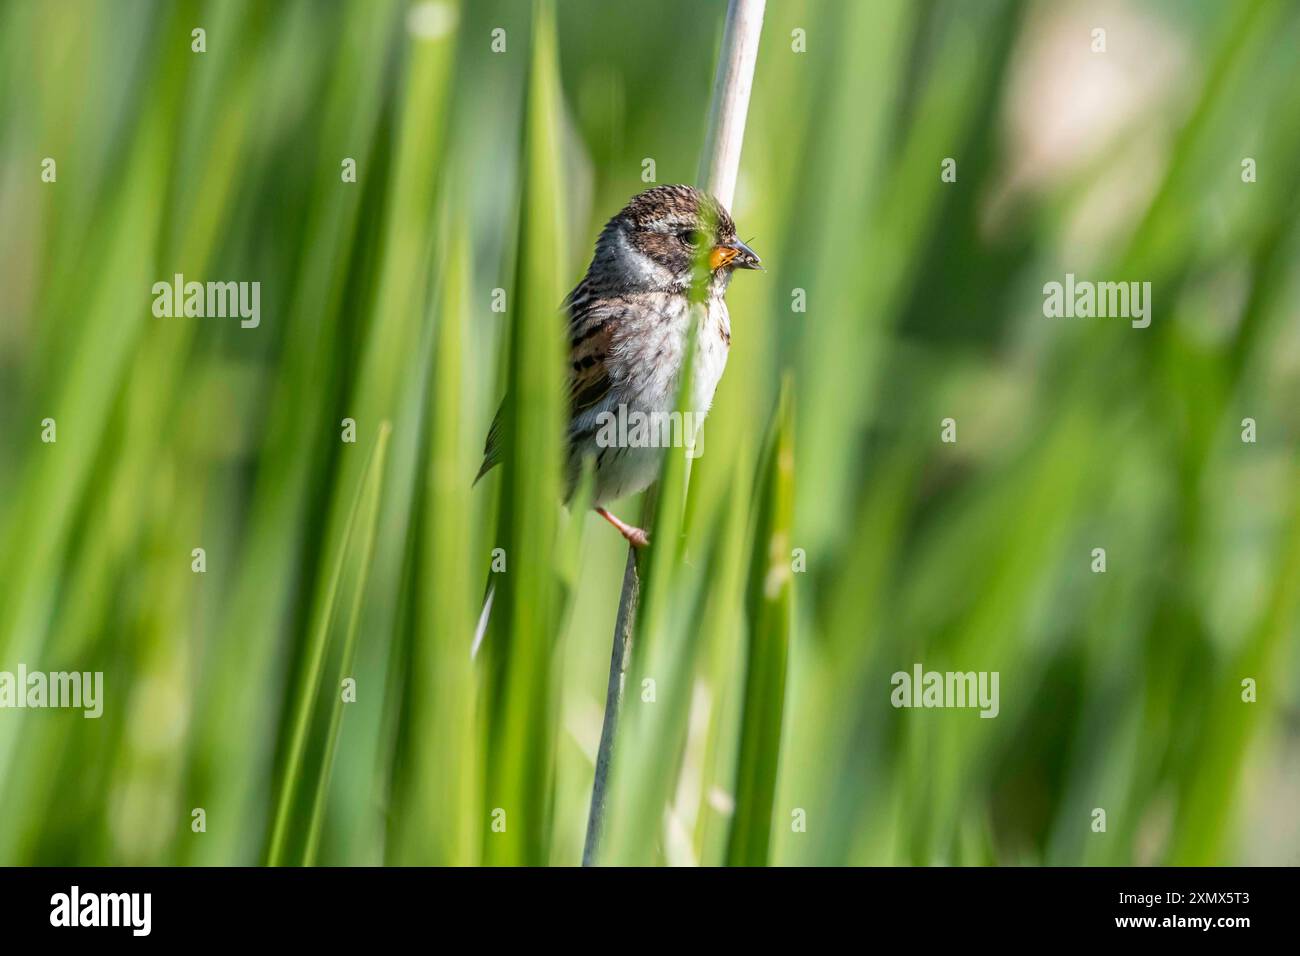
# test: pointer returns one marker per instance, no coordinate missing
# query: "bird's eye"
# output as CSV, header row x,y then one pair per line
x,y
693,238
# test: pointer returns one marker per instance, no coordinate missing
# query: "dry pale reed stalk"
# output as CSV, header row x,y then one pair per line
x,y
719,166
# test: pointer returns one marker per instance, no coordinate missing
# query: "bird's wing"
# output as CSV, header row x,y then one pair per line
x,y
588,377
492,447
589,341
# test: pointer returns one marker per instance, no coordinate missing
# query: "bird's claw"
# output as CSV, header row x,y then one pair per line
x,y
636,537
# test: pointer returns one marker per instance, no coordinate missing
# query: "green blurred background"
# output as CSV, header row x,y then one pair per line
x,y
480,170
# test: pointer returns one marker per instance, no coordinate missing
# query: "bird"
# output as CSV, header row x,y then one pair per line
x,y
660,265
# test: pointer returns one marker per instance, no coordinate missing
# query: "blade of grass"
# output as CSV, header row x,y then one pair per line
x,y
247,656
769,613
518,649
391,386
295,833
435,803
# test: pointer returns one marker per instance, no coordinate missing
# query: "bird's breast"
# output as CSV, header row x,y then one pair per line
x,y
714,343
647,357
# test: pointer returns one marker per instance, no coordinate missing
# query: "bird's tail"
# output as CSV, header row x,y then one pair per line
x,y
481,628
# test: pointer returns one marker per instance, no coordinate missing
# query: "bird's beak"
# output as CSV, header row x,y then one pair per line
x,y
735,254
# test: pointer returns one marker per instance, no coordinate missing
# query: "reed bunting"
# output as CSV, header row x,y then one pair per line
x,y
628,320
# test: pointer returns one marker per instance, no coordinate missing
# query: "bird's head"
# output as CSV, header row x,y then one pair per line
x,y
663,238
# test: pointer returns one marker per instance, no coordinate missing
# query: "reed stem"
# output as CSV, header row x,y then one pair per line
x,y
719,166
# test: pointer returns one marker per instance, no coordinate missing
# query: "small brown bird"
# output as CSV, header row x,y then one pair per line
x,y
628,323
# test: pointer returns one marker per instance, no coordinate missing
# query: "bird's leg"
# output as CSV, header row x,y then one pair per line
x,y
635,536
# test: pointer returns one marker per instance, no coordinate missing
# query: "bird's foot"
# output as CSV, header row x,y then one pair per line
x,y
637,537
